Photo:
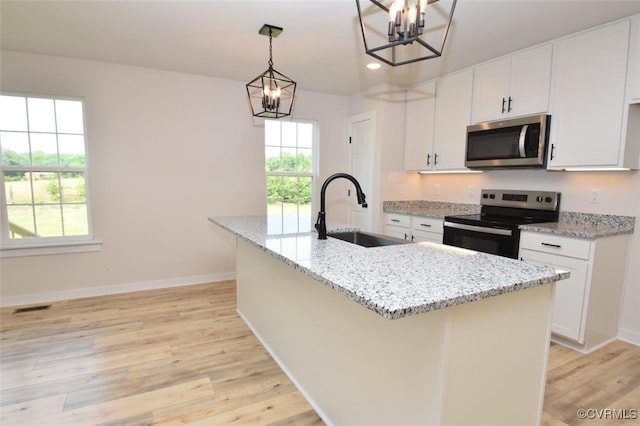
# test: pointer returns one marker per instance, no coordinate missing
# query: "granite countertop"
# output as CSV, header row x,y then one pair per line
x,y
570,224
585,225
394,281
435,209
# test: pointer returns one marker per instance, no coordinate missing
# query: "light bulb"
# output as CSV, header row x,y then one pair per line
x,y
413,13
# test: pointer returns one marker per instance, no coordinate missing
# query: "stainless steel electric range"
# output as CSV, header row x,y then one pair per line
x,y
496,229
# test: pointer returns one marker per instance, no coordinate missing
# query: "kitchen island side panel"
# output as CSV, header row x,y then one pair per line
x,y
354,366
358,368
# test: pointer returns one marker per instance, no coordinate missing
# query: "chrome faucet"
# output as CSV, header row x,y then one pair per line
x,y
321,224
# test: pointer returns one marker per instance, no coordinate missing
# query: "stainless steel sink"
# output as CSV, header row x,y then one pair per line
x,y
367,239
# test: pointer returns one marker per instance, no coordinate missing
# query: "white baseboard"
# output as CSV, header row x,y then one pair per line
x,y
629,336
29,299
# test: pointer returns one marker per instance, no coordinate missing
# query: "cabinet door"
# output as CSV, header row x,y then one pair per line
x,y
397,231
453,115
569,310
490,88
634,59
530,81
419,236
588,97
419,116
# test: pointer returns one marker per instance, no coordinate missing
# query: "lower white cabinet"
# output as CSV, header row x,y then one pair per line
x,y
587,305
413,228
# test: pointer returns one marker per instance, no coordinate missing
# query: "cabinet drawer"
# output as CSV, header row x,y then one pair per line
x,y
554,244
398,219
429,224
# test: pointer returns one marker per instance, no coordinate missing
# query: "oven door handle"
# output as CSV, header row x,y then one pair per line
x,y
495,231
523,138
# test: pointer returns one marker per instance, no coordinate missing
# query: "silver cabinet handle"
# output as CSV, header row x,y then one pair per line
x,y
394,220
474,228
426,225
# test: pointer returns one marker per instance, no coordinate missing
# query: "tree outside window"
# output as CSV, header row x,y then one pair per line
x,y
289,165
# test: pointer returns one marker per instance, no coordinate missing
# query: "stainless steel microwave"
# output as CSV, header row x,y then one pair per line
x,y
519,142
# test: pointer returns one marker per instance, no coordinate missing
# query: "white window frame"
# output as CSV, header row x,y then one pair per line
x,y
17,247
315,167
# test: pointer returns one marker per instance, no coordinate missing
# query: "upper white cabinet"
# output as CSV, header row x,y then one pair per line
x,y
634,61
588,100
419,117
515,85
453,115
437,115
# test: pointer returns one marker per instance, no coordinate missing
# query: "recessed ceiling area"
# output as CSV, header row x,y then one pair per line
x,y
321,46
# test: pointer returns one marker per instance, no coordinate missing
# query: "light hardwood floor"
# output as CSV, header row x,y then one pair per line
x,y
184,356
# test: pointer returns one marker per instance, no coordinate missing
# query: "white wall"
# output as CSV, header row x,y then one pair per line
x,y
387,102
166,150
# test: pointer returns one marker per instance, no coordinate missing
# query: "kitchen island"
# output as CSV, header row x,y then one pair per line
x,y
397,335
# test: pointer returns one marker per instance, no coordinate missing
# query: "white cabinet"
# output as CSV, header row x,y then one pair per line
x,y
453,115
413,228
397,225
634,61
426,229
435,126
586,306
512,86
587,106
419,116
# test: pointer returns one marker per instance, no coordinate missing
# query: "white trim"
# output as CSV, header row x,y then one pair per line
x,y
629,336
26,299
50,248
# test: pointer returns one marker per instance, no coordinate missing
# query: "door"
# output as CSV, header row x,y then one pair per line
x,y
362,163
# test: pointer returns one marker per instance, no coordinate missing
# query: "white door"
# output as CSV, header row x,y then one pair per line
x,y
362,161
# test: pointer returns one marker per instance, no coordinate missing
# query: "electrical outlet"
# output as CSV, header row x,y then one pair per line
x,y
436,189
595,196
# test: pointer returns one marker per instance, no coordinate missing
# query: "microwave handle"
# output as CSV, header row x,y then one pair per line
x,y
523,137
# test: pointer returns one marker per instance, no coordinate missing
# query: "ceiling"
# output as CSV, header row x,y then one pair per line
x,y
321,46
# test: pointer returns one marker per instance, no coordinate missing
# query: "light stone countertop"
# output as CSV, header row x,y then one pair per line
x,y
585,225
570,224
394,281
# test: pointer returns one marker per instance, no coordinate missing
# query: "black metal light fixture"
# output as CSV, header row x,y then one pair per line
x,y
271,94
405,31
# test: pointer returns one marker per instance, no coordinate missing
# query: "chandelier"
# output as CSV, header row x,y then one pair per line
x,y
405,31
271,94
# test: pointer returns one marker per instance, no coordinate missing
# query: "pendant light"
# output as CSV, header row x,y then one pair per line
x,y
271,94
405,31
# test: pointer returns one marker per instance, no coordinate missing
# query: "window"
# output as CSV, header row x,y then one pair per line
x,y
44,170
290,167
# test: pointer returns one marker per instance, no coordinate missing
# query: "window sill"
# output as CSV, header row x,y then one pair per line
x,y
41,249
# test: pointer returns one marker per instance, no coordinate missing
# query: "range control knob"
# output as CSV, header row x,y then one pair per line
x,y
548,199
539,198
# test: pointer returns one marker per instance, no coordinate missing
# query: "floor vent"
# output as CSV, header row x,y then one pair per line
x,y
32,309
